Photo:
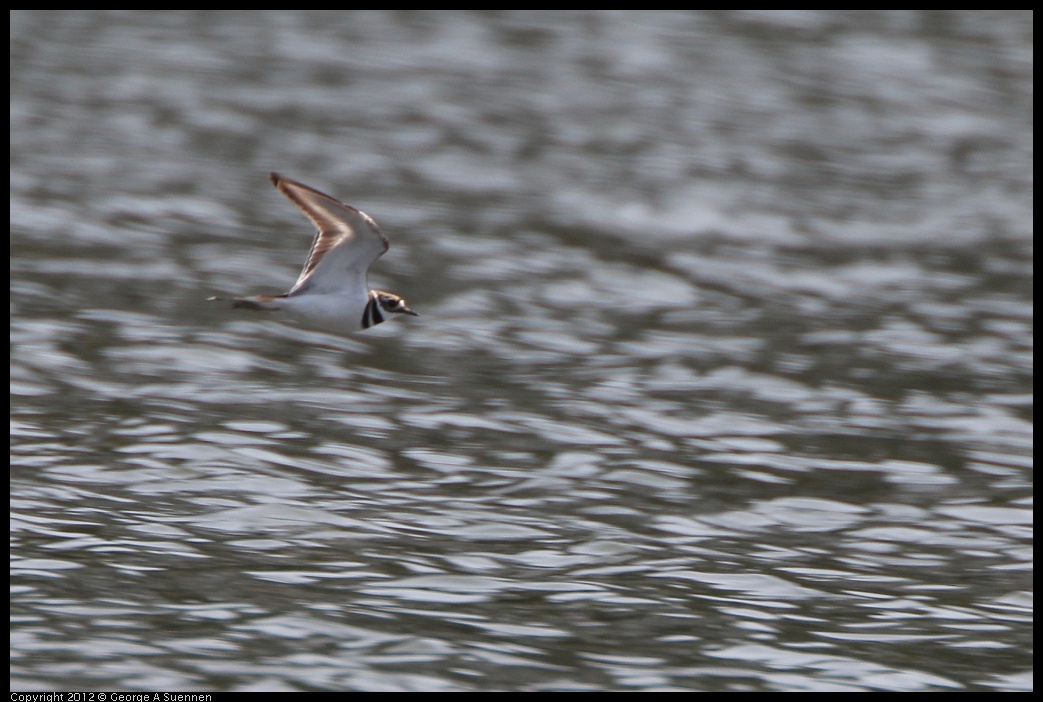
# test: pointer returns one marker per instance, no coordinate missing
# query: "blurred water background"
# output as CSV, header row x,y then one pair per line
x,y
723,378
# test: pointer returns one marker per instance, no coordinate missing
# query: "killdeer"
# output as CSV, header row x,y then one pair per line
x,y
332,292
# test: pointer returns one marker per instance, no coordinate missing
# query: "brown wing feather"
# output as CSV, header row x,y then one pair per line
x,y
331,218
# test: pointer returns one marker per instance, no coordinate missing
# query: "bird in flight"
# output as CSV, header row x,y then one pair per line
x,y
331,292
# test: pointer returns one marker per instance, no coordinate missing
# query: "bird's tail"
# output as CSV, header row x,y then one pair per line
x,y
257,302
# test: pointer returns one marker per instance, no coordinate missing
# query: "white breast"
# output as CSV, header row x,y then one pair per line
x,y
335,312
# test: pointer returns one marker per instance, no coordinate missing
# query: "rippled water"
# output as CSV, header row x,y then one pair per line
x,y
723,378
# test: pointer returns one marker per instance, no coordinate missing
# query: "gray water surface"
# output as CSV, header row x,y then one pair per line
x,y
722,378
